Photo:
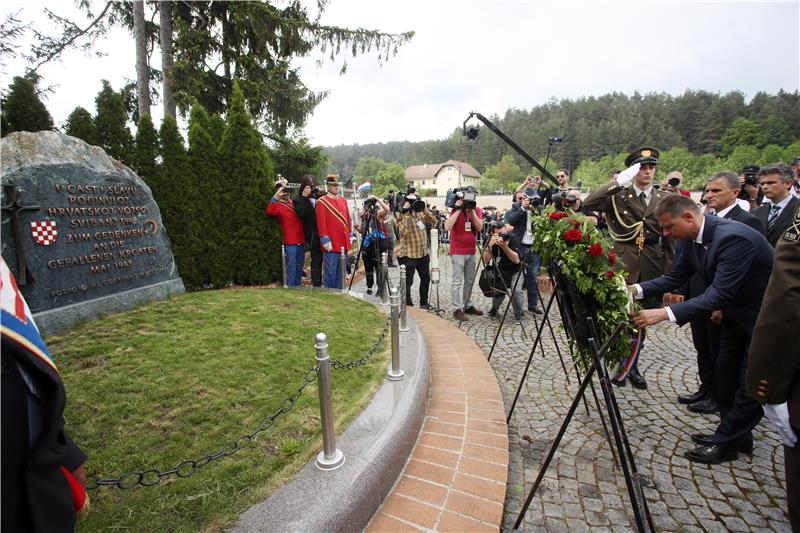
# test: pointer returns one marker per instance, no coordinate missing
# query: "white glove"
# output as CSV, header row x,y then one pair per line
x,y
627,175
778,414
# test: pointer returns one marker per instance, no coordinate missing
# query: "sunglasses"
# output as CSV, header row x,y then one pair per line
x,y
561,175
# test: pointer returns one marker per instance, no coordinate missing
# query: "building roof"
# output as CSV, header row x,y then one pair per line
x,y
430,170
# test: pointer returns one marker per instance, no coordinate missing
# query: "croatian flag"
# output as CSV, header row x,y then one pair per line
x,y
366,186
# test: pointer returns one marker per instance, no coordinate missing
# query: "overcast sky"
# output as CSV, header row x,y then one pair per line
x,y
489,56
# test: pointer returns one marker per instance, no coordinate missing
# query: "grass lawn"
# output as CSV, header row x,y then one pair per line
x,y
184,378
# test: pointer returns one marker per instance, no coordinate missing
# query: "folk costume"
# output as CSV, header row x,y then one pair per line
x,y
293,238
638,241
334,228
39,492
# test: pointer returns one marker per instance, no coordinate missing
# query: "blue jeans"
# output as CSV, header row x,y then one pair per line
x,y
331,277
532,262
295,254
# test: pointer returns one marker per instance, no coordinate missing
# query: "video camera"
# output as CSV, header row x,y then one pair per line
x,y
417,203
468,194
533,196
674,181
565,199
371,205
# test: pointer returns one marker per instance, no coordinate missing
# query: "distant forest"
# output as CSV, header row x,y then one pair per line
x,y
594,127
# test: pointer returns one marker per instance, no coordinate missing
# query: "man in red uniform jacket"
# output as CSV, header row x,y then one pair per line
x,y
294,239
334,227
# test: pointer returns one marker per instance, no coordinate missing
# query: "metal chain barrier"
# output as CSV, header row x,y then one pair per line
x,y
367,355
188,467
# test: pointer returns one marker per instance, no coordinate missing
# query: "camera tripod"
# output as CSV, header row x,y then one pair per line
x,y
371,227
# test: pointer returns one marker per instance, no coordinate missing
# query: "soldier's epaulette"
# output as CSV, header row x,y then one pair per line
x,y
792,232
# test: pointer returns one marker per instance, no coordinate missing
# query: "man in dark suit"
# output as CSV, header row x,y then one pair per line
x,y
722,189
773,367
776,182
629,205
735,262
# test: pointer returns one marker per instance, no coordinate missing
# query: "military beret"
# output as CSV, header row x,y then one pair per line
x,y
642,155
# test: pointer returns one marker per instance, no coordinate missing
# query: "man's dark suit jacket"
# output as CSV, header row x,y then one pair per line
x,y
740,215
784,219
735,262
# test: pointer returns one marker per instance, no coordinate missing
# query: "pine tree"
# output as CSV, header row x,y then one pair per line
x,y
22,110
146,150
205,161
111,124
79,124
177,199
252,242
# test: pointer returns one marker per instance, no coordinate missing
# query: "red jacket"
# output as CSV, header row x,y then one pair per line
x,y
336,226
291,226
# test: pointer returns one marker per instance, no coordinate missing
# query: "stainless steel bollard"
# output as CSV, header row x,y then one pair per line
x,y
283,265
403,325
343,268
384,279
395,374
330,458
435,256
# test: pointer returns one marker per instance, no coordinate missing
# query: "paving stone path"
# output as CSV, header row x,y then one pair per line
x,y
583,490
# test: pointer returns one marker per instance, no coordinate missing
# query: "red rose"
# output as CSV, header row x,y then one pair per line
x,y
574,235
595,250
610,274
557,215
612,256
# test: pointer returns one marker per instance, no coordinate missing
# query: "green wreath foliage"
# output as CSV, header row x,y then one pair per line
x,y
588,258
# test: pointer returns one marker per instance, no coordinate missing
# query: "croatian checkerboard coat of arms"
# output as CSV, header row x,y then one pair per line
x,y
44,232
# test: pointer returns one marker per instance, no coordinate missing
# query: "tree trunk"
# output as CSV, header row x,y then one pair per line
x,y
165,22
142,70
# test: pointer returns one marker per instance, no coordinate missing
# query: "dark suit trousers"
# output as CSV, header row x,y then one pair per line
x,y
705,337
421,265
738,413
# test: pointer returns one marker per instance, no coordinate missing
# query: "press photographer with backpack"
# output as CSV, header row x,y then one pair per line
x,y
412,249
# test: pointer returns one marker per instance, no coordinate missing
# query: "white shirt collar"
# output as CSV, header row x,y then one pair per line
x,y
783,203
647,192
699,238
723,212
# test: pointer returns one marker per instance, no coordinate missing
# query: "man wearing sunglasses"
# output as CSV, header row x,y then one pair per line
x,y
629,205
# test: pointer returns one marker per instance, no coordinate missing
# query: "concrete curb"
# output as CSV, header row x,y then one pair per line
x,y
376,447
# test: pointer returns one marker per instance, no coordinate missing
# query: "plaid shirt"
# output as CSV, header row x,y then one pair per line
x,y
413,240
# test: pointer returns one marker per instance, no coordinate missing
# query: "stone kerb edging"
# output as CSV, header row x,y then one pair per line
x,y
376,447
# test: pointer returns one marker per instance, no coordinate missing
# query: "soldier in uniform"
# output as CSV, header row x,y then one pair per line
x,y
629,205
773,366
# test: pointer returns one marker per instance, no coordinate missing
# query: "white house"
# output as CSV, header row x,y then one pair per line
x,y
442,176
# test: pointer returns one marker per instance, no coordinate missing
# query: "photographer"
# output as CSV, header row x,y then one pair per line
x,y
375,240
501,254
412,250
282,208
520,217
464,223
571,201
673,183
304,205
750,192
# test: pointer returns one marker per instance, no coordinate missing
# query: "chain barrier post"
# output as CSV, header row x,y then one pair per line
x,y
342,269
435,256
283,265
395,374
403,325
330,458
384,281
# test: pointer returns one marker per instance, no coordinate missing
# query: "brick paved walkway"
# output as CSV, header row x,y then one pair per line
x,y
455,479
583,490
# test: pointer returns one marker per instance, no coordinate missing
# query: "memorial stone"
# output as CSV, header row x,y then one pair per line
x,y
80,231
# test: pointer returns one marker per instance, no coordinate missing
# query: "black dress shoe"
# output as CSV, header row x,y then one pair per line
x,y
745,446
618,382
425,306
472,311
692,398
706,407
637,380
712,455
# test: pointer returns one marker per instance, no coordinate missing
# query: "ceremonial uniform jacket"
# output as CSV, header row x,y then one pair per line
x,y
333,220
624,211
36,495
773,366
291,225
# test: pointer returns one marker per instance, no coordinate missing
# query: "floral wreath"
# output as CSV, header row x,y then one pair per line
x,y
589,260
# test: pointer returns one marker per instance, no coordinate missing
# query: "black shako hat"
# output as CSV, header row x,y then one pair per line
x,y
642,155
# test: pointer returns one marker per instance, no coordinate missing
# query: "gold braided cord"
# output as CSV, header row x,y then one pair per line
x,y
634,230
